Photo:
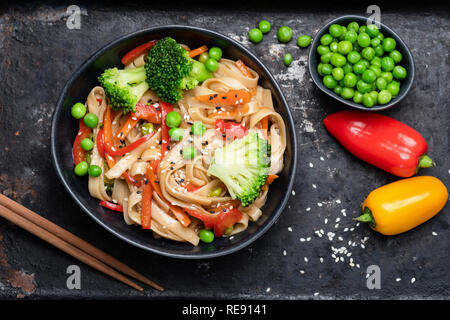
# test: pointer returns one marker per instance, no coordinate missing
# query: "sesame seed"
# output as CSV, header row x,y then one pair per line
x,y
413,280
316,294
398,279
284,252
311,165
306,259
434,233
319,204
293,192
289,229
268,290
338,201
302,271
314,186
322,159
307,209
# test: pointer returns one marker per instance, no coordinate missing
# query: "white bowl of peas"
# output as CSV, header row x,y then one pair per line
x,y
362,65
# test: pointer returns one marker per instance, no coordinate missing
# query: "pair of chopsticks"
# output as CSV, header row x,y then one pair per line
x,y
70,243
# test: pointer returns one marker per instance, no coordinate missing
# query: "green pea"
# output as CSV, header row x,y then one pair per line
x,y
347,93
173,119
338,74
365,62
216,192
374,95
393,88
344,47
363,40
338,90
334,46
211,65
189,153
326,39
362,29
203,57
327,68
94,171
146,128
372,30
368,53
378,50
255,35
228,231
350,80
368,100
78,110
176,134
87,144
321,50
326,57
380,36
353,57
81,169
90,120
347,68
381,83
396,55
287,59
387,64
207,236
387,76
338,60
376,69
369,76
303,41
329,82
344,32
357,97
351,36
359,67
198,128
353,26
335,30
375,42
215,53
384,97
376,61
284,34
264,26
319,69
399,72
363,86
389,44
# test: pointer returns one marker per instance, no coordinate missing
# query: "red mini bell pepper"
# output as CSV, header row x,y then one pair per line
x,y
136,52
231,129
380,140
78,152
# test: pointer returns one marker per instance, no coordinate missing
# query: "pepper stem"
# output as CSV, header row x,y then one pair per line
x,y
366,217
425,162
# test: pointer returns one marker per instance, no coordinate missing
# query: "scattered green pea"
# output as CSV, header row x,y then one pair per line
x,y
87,144
189,153
207,236
147,128
284,34
303,41
81,169
198,128
90,120
211,65
203,57
287,59
264,26
326,39
216,192
176,134
215,53
94,171
173,118
255,35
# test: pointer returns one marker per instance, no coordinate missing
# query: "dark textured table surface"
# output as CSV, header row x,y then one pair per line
x,y
39,53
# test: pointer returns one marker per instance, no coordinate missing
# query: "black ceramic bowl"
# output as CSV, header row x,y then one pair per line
x,y
64,129
407,63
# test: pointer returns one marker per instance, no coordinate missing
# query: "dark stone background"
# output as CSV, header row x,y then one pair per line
x,y
39,53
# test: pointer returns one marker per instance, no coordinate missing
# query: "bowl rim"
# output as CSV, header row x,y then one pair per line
x,y
290,126
313,70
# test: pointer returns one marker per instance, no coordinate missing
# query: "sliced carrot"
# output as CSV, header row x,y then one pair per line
x,y
198,51
269,180
230,98
178,212
126,128
265,126
243,68
230,115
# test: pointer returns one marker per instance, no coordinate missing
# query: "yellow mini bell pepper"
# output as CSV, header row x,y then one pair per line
x,y
402,205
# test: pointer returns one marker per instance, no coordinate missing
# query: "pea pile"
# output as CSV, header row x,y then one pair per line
x,y
360,63
284,35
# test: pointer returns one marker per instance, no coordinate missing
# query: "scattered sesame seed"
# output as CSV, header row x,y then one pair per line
x,y
413,280
319,204
302,271
398,279
325,221
289,229
434,233
268,290
314,186
284,252
293,192
316,294
321,260
306,259
311,165
307,209
338,201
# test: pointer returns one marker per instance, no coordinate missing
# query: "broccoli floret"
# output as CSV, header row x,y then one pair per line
x,y
243,166
124,87
170,70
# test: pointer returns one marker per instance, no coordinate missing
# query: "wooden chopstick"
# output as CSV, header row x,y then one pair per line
x,y
74,241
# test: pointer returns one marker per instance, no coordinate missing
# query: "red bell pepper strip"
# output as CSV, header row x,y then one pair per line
x,y
146,211
231,129
116,151
100,143
226,219
111,206
136,52
165,109
208,219
380,140
78,152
